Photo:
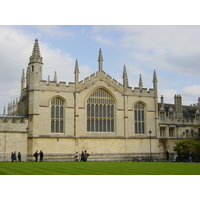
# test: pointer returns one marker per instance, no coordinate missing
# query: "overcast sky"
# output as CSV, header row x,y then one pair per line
x,y
173,51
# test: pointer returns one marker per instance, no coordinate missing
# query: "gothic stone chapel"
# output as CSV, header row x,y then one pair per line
x,y
112,121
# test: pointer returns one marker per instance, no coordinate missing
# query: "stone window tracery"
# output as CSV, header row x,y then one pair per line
x,y
57,115
139,118
100,112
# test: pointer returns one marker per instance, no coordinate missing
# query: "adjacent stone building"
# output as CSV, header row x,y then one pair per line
x,y
112,121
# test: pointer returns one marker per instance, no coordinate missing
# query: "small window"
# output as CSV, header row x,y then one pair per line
x,y
171,132
162,132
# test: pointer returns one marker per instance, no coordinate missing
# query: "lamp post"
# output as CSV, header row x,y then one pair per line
x,y
150,143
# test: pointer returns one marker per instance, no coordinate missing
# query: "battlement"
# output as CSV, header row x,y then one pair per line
x,y
53,85
13,124
143,92
13,119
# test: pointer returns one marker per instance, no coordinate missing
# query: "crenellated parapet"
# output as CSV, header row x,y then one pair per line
x,y
13,124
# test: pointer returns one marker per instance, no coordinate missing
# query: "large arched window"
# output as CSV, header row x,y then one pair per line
x,y
139,118
100,112
57,115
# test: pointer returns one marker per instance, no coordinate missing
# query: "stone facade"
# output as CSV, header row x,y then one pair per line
x,y
112,121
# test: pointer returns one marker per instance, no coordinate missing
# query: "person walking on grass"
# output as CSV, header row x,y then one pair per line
x,y
82,156
41,156
36,155
76,157
190,157
85,156
19,156
12,156
167,155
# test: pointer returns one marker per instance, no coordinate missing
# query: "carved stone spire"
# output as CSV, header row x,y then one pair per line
x,y
140,82
55,77
100,60
36,58
155,80
76,72
22,81
125,77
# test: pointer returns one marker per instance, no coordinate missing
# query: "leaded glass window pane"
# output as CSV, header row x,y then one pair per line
x,y
108,111
61,112
88,110
92,124
61,126
52,126
96,110
100,125
104,111
104,125
97,125
88,125
100,110
57,126
112,125
142,127
52,111
57,112
142,115
135,114
112,111
108,125
92,110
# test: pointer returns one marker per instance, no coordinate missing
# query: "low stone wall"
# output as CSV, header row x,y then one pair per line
x,y
92,157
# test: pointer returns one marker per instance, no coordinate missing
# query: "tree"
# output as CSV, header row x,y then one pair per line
x,y
188,147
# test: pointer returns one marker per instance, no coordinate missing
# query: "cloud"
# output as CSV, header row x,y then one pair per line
x,y
56,31
187,93
168,95
103,40
171,48
15,50
191,90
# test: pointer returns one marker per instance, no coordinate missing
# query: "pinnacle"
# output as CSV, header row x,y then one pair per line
x,y
36,53
100,60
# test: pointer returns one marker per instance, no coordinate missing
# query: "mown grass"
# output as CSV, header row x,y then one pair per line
x,y
99,168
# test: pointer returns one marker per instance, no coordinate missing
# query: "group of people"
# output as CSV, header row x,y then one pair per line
x,y
175,158
36,154
84,156
16,157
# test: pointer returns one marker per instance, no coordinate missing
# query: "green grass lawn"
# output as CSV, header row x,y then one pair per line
x,y
99,168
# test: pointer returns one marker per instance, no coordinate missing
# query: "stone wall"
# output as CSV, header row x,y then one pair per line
x,y
13,137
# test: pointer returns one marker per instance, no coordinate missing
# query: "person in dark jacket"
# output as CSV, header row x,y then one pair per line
x,y
12,157
36,155
19,156
167,155
82,156
41,156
